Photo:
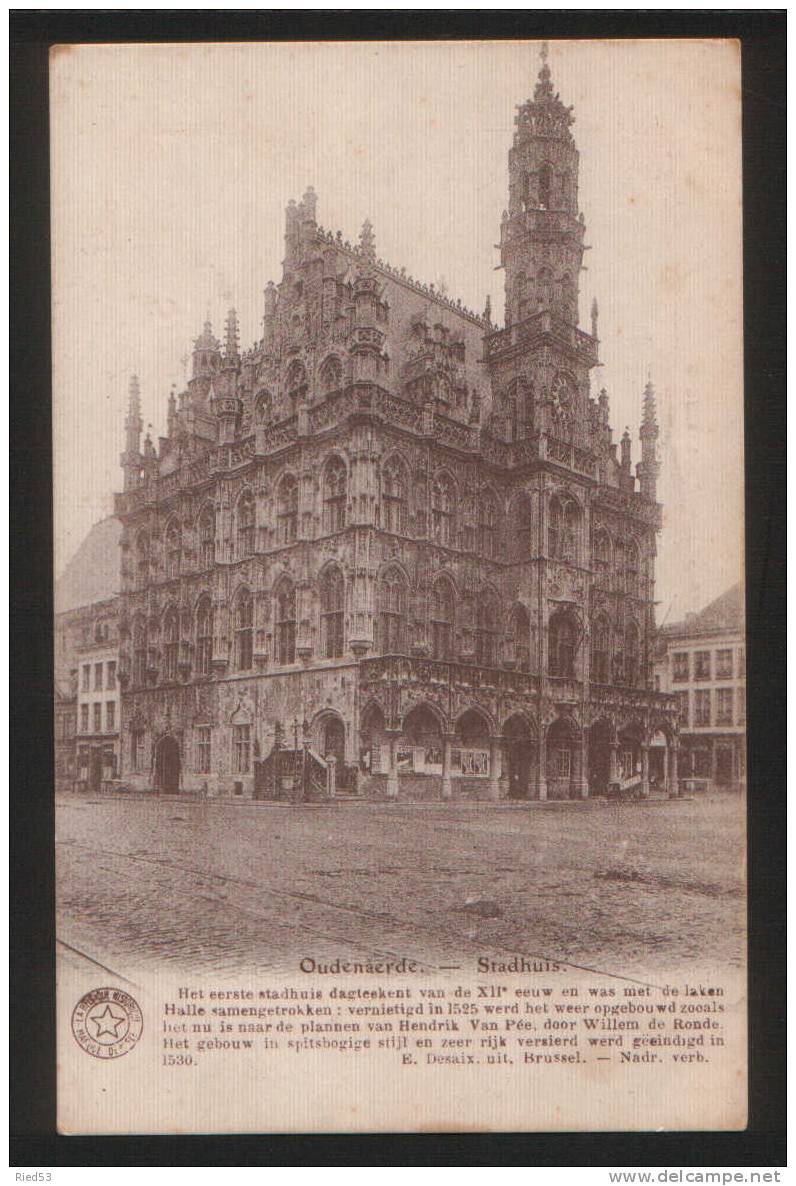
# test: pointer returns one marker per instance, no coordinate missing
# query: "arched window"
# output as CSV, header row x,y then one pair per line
x,y
563,530
295,385
332,609
520,524
244,524
554,527
334,494
186,636
521,624
204,636
486,629
287,509
631,568
544,288
139,652
286,623
443,520
631,655
511,420
392,612
393,495
207,537
333,741
171,645
561,644
486,515
618,575
264,408
521,296
600,651
331,375
173,551
244,621
142,558
601,556
568,299
442,603
545,186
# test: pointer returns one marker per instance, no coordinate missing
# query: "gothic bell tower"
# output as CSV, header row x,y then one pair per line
x,y
541,240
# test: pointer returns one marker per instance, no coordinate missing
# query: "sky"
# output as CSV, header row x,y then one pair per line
x,y
172,166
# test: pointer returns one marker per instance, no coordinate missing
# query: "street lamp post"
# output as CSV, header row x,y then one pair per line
x,y
295,760
304,747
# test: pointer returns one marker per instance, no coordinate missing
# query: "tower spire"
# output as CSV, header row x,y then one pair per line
x,y
541,235
544,86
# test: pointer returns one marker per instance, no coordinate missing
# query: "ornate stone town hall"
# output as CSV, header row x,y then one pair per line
x,y
391,549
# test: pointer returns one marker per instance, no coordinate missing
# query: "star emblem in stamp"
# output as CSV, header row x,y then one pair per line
x,y
107,1022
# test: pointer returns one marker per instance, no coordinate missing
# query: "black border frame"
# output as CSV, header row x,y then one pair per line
x,y
34,1142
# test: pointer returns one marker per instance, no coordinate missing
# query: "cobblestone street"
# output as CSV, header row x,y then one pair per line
x,y
627,889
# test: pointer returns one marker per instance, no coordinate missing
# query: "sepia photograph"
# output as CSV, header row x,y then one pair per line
x,y
399,584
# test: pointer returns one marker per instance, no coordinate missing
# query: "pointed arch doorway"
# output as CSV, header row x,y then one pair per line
x,y
522,757
167,765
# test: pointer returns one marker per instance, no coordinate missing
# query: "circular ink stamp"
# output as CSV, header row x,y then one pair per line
x,y
107,1022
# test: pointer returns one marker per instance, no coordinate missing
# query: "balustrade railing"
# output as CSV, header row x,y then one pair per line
x,y
276,436
538,324
295,775
409,669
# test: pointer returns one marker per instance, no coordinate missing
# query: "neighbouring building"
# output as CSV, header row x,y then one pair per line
x,y
64,732
392,544
86,660
702,661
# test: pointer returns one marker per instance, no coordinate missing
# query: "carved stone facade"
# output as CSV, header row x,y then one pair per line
x,y
394,535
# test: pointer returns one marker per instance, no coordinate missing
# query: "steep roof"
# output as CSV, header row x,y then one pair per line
x,y
725,613
94,572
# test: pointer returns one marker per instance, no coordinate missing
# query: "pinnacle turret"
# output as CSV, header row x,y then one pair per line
x,y
134,392
488,312
649,414
231,347
171,418
207,339
206,352
133,425
649,466
309,204
367,240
